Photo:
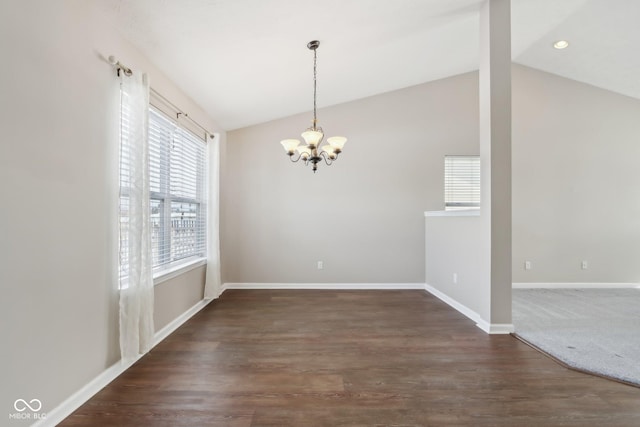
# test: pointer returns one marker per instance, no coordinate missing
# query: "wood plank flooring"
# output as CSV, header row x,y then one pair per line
x,y
349,358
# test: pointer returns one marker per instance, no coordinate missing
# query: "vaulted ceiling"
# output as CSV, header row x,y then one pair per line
x,y
246,61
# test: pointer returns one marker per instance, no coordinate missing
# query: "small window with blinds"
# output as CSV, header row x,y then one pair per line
x,y
461,182
178,210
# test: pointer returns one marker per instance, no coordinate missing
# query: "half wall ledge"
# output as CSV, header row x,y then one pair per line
x,y
461,212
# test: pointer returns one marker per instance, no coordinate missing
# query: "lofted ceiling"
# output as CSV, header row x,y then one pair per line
x,y
246,62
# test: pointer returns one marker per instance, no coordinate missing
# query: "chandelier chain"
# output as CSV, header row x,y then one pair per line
x,y
315,57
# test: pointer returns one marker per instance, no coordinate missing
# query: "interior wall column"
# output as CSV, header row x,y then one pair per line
x,y
495,158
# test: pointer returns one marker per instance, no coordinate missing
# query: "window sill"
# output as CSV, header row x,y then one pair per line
x,y
177,270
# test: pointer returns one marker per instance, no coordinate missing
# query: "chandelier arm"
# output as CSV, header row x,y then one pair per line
x,y
328,161
291,156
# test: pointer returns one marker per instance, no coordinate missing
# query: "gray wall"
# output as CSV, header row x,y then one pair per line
x,y
362,216
575,185
576,181
59,115
455,245
174,296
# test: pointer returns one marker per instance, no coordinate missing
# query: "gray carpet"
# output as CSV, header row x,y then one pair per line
x,y
594,330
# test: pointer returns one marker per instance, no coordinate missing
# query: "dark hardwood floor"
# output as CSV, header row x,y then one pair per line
x,y
349,358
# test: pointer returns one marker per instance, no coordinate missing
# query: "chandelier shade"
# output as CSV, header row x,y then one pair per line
x,y
337,142
312,151
290,145
305,152
312,137
331,152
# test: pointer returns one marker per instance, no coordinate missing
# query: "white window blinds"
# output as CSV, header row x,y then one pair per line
x,y
461,182
177,203
178,207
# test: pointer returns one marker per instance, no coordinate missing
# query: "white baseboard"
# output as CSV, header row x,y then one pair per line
x,y
495,328
179,321
77,399
453,303
567,285
490,328
327,286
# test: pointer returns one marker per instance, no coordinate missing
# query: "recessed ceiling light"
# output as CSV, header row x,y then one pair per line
x,y
561,44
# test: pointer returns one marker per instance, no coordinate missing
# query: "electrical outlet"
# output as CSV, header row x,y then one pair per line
x,y
455,277
584,265
320,265
527,265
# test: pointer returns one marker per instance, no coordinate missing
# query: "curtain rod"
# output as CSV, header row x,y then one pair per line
x,y
179,113
127,72
113,61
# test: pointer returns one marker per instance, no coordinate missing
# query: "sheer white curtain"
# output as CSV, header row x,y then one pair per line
x,y
213,286
136,290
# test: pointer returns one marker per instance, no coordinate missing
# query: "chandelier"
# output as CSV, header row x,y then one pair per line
x,y
311,151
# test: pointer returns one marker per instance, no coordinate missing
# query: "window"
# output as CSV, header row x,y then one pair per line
x,y
177,198
461,182
178,208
